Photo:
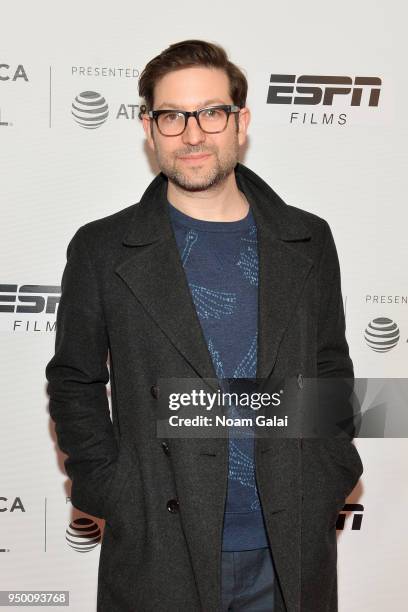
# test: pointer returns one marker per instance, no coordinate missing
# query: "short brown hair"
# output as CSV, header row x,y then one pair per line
x,y
186,54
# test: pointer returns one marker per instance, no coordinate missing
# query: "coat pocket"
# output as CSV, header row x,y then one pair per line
x,y
124,464
330,471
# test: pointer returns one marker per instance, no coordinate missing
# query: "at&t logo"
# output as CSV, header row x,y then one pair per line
x,y
90,110
382,334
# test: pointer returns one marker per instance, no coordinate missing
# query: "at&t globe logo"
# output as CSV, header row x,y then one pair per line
x,y
382,334
83,534
90,110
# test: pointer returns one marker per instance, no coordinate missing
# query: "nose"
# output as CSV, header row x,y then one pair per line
x,y
193,134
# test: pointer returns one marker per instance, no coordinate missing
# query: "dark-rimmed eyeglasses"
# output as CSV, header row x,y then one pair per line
x,y
212,119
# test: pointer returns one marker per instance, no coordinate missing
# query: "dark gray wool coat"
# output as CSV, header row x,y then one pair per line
x,y
125,296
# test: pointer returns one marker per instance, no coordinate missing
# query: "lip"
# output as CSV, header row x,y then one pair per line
x,y
193,158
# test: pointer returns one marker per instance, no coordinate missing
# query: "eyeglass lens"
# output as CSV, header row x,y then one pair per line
x,y
210,120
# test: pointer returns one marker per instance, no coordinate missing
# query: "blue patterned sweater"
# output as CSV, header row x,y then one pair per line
x,y
221,264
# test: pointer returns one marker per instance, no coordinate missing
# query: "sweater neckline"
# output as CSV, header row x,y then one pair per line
x,y
181,218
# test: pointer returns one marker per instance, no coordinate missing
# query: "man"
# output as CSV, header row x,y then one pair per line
x,y
211,275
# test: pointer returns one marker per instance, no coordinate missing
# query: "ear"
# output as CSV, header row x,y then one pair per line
x,y
147,123
243,123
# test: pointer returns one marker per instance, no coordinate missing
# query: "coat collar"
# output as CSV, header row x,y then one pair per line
x,y
150,221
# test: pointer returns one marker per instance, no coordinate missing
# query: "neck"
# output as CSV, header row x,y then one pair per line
x,y
223,202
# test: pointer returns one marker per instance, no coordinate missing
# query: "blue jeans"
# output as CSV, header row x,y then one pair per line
x,y
248,581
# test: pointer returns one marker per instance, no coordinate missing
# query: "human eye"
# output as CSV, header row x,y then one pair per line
x,y
171,117
213,113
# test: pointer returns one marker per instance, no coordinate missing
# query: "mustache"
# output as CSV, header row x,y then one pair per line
x,y
192,150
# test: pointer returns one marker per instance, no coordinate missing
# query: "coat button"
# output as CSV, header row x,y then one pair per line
x,y
173,505
154,390
165,448
300,381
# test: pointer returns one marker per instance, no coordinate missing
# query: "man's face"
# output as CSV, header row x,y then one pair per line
x,y
195,160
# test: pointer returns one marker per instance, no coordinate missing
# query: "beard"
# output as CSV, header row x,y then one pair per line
x,y
198,179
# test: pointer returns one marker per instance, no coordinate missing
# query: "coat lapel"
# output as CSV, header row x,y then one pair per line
x,y
155,275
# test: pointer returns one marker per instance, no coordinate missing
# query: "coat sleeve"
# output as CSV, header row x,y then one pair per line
x,y
335,367
77,376
333,359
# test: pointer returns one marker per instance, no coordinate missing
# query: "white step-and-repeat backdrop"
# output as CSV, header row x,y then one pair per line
x,y
327,90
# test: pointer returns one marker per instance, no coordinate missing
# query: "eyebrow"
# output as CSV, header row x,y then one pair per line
x,y
200,105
